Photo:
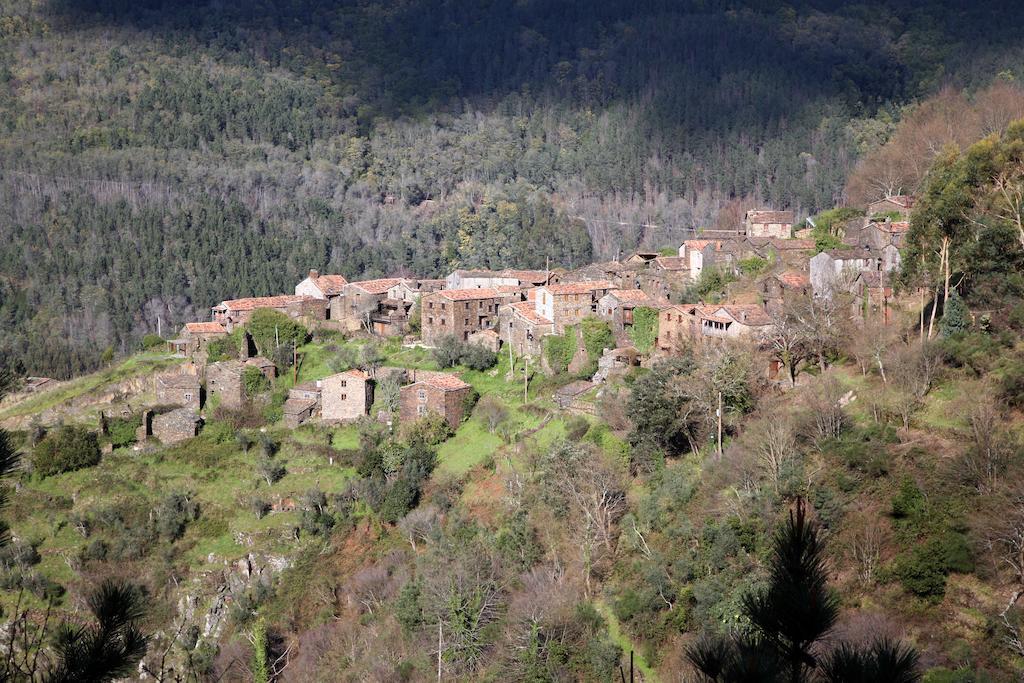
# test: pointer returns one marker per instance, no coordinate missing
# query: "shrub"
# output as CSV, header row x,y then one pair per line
x,y
644,331
430,430
122,430
151,341
754,266
450,352
272,329
923,570
254,381
1011,382
559,350
69,448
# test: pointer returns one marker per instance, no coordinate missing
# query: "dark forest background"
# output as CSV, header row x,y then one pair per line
x,y
157,157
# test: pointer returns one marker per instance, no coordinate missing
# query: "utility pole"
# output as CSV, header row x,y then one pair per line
x,y
295,364
158,326
719,414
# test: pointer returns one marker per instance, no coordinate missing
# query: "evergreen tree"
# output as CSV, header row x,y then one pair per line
x,y
789,617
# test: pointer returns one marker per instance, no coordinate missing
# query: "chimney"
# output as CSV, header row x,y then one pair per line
x,y
313,273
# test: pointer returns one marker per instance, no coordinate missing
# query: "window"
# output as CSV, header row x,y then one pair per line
x,y
188,397
344,397
421,410
443,306
344,383
466,306
466,322
430,304
442,322
430,320
421,395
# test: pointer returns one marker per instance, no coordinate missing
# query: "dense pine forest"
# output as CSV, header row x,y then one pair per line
x,y
156,157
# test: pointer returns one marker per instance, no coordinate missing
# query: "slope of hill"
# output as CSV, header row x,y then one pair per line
x,y
156,156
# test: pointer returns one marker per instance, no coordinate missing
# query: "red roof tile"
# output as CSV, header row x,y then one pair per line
x,y
376,286
755,315
474,294
205,328
671,262
255,302
793,279
527,310
331,285
445,382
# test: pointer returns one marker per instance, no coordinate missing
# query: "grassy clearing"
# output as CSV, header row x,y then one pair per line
x,y
622,640
140,364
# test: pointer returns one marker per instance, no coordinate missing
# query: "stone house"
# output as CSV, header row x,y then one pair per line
x,y
612,271
266,368
193,338
175,426
777,288
326,288
239,311
346,396
360,301
615,362
460,312
837,269
492,279
694,253
617,308
224,381
443,394
523,328
302,404
391,319
178,389
641,258
566,304
487,339
409,290
901,204
734,321
319,286
768,223
679,327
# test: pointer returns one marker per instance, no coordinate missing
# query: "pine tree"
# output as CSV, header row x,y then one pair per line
x,y
789,617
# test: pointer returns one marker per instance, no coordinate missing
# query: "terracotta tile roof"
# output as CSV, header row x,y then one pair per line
x,y
331,285
205,328
716,318
584,287
794,279
474,294
376,286
769,216
527,310
700,244
531,276
895,226
252,303
355,373
632,296
671,262
691,309
755,315
446,382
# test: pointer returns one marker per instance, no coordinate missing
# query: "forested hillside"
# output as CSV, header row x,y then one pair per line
x,y
156,157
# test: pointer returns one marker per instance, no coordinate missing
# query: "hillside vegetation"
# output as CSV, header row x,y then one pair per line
x,y
156,157
538,544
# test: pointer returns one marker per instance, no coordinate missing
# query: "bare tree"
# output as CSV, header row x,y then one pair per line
x,y
991,446
774,445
